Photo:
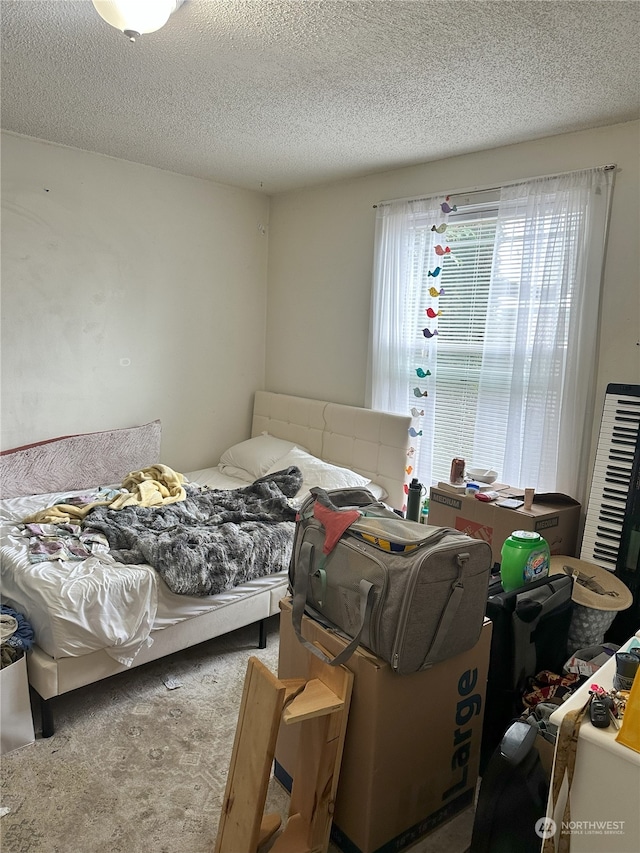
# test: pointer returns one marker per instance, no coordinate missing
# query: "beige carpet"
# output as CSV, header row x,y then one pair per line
x,y
135,766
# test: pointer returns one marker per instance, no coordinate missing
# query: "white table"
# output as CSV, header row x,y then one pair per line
x,y
605,793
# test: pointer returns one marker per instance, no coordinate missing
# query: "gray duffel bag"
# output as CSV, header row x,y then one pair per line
x,y
414,595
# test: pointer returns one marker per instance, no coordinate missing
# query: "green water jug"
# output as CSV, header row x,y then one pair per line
x,y
525,558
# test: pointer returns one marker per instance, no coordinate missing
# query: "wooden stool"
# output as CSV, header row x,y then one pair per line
x,y
321,705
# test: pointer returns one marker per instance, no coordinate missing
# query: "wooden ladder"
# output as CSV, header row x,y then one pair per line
x,y
320,704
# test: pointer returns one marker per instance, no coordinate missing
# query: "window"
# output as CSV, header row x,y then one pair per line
x,y
484,322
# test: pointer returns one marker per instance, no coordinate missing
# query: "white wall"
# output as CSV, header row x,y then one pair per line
x,y
321,260
105,261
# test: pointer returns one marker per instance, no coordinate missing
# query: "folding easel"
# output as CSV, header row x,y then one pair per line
x,y
321,705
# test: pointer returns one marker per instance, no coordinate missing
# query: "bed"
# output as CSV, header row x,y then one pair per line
x,y
115,616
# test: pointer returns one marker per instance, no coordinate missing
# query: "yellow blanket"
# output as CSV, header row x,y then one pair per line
x,y
153,486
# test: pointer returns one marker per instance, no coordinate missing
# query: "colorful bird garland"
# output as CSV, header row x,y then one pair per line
x,y
442,251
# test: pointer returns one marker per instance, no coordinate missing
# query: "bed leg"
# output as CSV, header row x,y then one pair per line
x,y
46,713
262,642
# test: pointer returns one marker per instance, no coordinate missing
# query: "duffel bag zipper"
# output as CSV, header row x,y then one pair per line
x,y
398,641
402,621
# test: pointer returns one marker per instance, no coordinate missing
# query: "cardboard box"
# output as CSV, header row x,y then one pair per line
x,y
412,748
16,720
554,516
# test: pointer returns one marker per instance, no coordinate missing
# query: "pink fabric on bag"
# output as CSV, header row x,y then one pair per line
x,y
334,523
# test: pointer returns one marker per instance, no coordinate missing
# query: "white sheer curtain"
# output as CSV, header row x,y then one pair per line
x,y
404,252
542,321
549,255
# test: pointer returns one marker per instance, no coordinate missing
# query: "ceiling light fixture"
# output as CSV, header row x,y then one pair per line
x,y
135,17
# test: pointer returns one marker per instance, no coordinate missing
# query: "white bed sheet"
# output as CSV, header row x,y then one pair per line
x,y
76,607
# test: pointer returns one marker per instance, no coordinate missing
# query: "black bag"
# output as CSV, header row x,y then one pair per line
x,y
512,797
530,633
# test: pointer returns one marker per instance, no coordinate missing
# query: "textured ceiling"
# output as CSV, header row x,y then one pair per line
x,y
277,94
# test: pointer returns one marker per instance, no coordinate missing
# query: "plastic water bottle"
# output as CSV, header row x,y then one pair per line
x,y
424,514
525,558
414,500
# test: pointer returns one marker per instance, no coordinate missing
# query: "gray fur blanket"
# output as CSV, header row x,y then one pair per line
x,y
213,540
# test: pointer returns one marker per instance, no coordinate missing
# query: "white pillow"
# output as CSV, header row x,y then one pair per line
x,y
379,492
236,473
316,472
217,479
255,455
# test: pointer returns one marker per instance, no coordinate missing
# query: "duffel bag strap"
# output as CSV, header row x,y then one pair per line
x,y
563,767
301,585
450,611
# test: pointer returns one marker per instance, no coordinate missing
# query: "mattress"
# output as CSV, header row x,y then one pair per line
x,y
79,606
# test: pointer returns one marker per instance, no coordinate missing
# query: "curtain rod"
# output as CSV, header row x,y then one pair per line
x,y
472,190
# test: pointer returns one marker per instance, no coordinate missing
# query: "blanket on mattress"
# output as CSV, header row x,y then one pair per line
x,y
213,540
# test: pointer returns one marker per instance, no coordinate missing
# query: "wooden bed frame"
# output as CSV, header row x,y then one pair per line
x,y
372,443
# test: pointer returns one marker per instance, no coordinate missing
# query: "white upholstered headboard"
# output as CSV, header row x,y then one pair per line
x,y
375,444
